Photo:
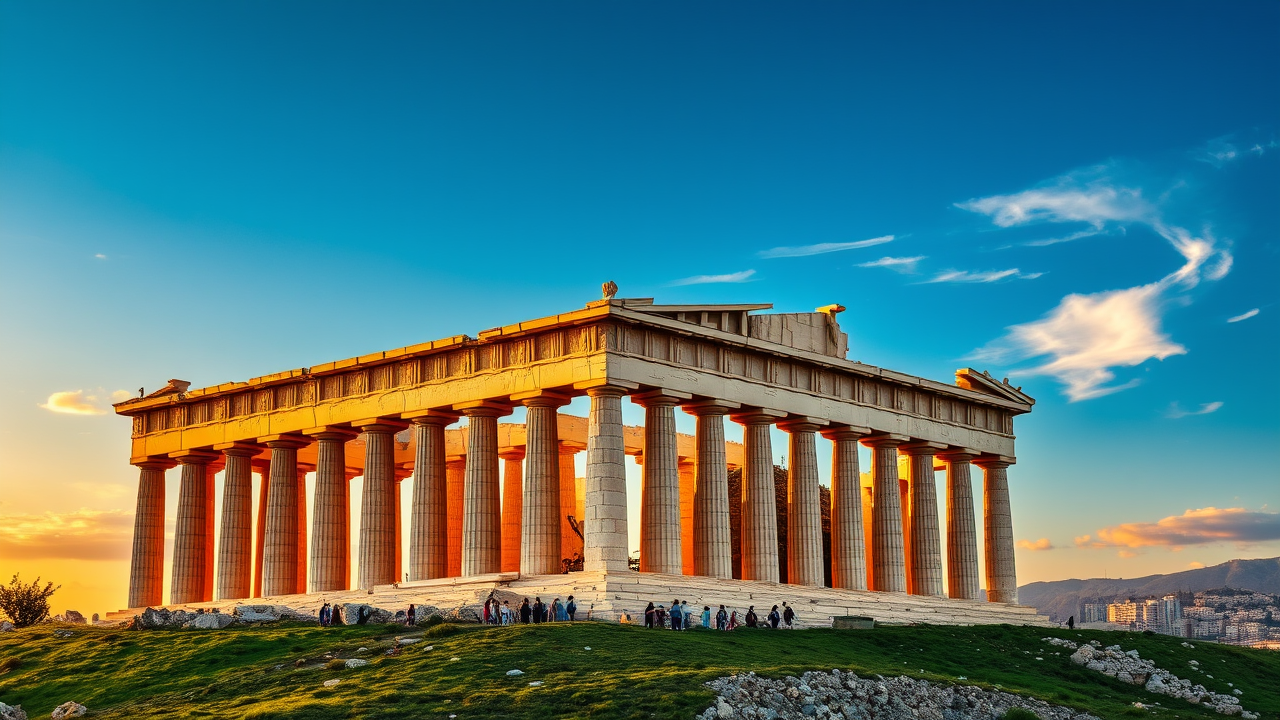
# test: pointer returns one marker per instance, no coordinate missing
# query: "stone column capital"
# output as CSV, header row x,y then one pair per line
x,y
542,398
757,416
304,468
196,457
606,388
385,424
954,454
288,440
921,447
341,434
845,432
240,449
802,423
569,447
710,407
483,408
513,453
431,416
880,440
455,461
994,462
160,463
660,397
400,472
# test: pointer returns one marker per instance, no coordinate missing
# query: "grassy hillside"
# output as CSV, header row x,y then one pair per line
x,y
629,672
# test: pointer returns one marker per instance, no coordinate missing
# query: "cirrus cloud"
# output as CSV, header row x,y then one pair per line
x,y
1176,412
80,535
80,402
821,248
1243,316
737,277
1193,527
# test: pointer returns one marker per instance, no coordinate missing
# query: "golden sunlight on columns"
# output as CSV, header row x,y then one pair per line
x,y
400,473
759,498
303,547
848,539
1002,579
263,468
331,526
455,473
192,579
804,504
429,518
688,481
235,549
378,504
660,547
146,575
962,534
481,515
924,566
888,570
605,526
280,561
541,537
512,506
571,542
712,535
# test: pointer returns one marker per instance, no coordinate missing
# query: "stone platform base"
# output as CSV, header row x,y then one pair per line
x,y
622,597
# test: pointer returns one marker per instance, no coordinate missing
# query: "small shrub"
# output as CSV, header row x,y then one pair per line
x,y
25,604
1020,714
335,664
441,630
432,620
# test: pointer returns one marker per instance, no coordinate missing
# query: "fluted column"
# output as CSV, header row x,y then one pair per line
x,y
712,536
429,517
146,573
235,550
888,570
759,498
481,515
570,541
455,473
660,547
192,579
280,561
804,504
331,526
848,538
924,565
605,524
962,534
688,483
1002,578
303,546
260,526
512,506
541,501
378,504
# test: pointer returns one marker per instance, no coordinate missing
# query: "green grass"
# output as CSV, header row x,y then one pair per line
x,y
629,672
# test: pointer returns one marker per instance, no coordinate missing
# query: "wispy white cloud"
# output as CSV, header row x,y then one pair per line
x,y
1243,316
1086,336
1063,239
100,256
900,264
1176,412
1193,527
820,248
985,276
737,277
79,402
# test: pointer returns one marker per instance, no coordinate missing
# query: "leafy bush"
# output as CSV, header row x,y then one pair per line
x,y
25,604
335,664
432,620
441,630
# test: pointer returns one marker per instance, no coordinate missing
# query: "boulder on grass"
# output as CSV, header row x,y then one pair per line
x,y
351,613
5,626
68,710
74,617
210,621
156,618
12,712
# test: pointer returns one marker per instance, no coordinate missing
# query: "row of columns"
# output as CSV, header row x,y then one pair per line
x,y
467,538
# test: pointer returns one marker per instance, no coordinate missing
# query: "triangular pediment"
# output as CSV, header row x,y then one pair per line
x,y
982,382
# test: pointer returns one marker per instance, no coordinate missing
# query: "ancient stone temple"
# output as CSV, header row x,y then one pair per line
x,y
497,505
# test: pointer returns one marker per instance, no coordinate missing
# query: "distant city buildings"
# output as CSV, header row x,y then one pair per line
x,y
1223,615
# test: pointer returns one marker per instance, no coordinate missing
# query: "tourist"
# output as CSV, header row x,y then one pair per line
x,y
411,617
788,615
684,614
557,611
539,610
325,614
506,612
649,614
1071,623
571,608
484,613
497,612
660,616
733,620
752,621
526,612
706,616
676,619
774,617
722,619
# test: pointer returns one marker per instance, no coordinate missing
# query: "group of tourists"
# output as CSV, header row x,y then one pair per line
x,y
681,617
501,613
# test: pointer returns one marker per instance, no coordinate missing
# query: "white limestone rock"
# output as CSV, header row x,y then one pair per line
x,y
211,621
68,710
12,712
73,616
5,626
356,662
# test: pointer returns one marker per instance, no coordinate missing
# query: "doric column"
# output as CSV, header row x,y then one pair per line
x,y
192,579
1002,578
303,546
331,526
399,474
888,569
962,534
924,565
804,504
570,541
759,498
146,574
280,556
455,474
482,512
605,524
429,519
378,503
660,547
235,550
539,529
512,506
712,536
688,482
263,468
848,538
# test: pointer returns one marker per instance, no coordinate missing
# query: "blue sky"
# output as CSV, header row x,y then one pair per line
x,y
1079,196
